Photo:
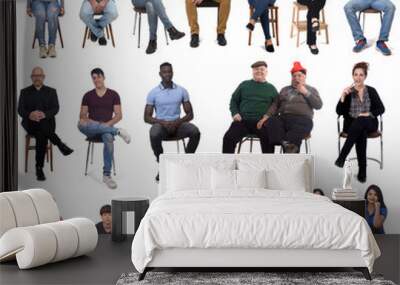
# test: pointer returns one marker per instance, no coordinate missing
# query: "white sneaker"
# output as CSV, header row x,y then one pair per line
x,y
109,182
43,52
52,51
124,135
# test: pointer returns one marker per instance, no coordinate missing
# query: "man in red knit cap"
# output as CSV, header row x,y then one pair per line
x,y
289,118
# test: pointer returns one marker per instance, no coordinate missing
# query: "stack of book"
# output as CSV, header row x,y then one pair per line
x,y
344,194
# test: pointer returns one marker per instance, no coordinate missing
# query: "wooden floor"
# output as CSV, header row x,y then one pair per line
x,y
110,260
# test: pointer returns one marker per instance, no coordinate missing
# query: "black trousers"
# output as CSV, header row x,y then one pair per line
x,y
290,128
158,133
42,132
314,8
238,130
357,134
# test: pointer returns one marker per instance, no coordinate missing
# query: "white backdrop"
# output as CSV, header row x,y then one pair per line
x,y
210,73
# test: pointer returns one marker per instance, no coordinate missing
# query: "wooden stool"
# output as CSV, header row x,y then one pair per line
x,y
109,34
28,147
90,149
368,11
301,25
139,11
59,33
273,20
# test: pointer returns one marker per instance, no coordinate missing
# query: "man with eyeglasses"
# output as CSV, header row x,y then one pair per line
x,y
38,106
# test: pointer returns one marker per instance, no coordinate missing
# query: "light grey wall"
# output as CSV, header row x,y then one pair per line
x,y
210,73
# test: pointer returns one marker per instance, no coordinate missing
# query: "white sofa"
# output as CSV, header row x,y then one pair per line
x,y
31,231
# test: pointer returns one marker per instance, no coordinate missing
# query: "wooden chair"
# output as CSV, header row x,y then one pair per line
x,y
138,12
90,150
109,33
368,11
373,135
59,33
28,147
301,25
273,20
307,144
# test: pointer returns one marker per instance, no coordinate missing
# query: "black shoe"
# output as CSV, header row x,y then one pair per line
x,y
314,50
152,47
339,163
158,177
93,37
269,48
174,34
65,150
102,41
40,174
362,174
194,41
221,40
250,27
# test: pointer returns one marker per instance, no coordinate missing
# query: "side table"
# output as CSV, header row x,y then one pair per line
x,y
120,205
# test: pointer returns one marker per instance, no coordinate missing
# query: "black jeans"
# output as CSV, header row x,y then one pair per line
x,y
314,8
158,133
290,128
42,132
357,134
238,130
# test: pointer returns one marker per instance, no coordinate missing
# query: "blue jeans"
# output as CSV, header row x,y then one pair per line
x,y
108,15
107,134
46,10
354,6
261,11
154,9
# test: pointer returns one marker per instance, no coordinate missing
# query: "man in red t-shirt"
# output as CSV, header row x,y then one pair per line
x,y
100,112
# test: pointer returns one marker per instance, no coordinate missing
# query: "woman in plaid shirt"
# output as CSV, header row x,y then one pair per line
x,y
360,105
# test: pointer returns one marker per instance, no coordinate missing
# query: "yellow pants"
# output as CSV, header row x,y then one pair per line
x,y
224,9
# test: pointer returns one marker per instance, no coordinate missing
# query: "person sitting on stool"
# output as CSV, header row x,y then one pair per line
x,y
289,119
166,99
38,106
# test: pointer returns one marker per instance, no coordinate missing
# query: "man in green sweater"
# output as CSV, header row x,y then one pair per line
x,y
248,105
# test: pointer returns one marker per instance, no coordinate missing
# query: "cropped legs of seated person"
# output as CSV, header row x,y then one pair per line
x,y
108,11
290,118
355,6
249,103
155,10
191,12
313,24
38,106
46,10
100,112
261,12
166,100
360,105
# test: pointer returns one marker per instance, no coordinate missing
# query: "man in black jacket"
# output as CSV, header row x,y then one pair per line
x,y
38,105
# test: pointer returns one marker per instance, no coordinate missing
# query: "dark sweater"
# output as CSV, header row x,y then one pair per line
x,y
290,101
252,99
44,100
343,108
